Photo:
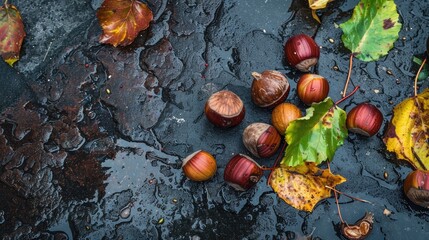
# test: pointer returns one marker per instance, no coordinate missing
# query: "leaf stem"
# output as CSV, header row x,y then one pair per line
x,y
5,4
345,194
276,162
345,97
336,198
348,75
417,76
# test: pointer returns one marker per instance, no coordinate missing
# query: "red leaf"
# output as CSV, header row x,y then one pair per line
x,y
11,33
122,20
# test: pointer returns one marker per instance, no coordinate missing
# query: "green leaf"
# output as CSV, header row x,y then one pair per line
x,y
316,136
425,71
11,33
372,29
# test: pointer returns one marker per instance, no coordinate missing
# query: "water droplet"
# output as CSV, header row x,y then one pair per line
x,y
2,217
92,114
126,212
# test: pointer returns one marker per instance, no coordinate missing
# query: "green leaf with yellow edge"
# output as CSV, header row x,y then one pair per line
x,y
12,33
316,136
122,20
303,186
372,29
408,132
316,5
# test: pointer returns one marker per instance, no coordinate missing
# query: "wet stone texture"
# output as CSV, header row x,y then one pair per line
x,y
92,137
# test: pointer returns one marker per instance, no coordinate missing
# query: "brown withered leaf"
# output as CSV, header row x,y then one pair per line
x,y
122,20
11,33
408,132
303,186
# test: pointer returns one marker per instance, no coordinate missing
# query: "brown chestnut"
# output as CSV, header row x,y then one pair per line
x,y
269,88
261,139
199,166
242,172
283,114
312,88
364,119
224,109
416,187
302,52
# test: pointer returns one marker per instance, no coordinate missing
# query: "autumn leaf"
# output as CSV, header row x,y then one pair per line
x,y
372,29
122,20
316,136
11,33
303,186
316,5
408,132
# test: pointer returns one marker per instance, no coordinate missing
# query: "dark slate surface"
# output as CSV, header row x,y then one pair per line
x,y
90,133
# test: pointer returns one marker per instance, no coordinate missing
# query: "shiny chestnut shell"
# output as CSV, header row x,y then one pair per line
x,y
302,52
224,109
199,166
312,88
261,139
242,172
269,88
416,187
283,114
364,119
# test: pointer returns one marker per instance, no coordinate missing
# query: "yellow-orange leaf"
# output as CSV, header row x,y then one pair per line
x,y
408,132
303,186
122,20
11,33
317,4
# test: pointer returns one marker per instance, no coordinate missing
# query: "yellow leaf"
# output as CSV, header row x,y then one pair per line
x,y
408,132
317,4
303,186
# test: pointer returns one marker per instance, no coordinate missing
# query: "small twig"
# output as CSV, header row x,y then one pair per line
x,y
338,207
345,97
336,199
276,162
5,3
345,194
47,51
348,75
417,76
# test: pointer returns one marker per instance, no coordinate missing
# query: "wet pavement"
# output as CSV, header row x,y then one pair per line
x,y
92,137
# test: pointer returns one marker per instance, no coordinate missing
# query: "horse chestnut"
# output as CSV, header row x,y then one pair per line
x,y
364,119
302,52
224,109
269,88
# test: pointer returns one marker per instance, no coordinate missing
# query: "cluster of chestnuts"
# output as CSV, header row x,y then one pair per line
x,y
269,90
